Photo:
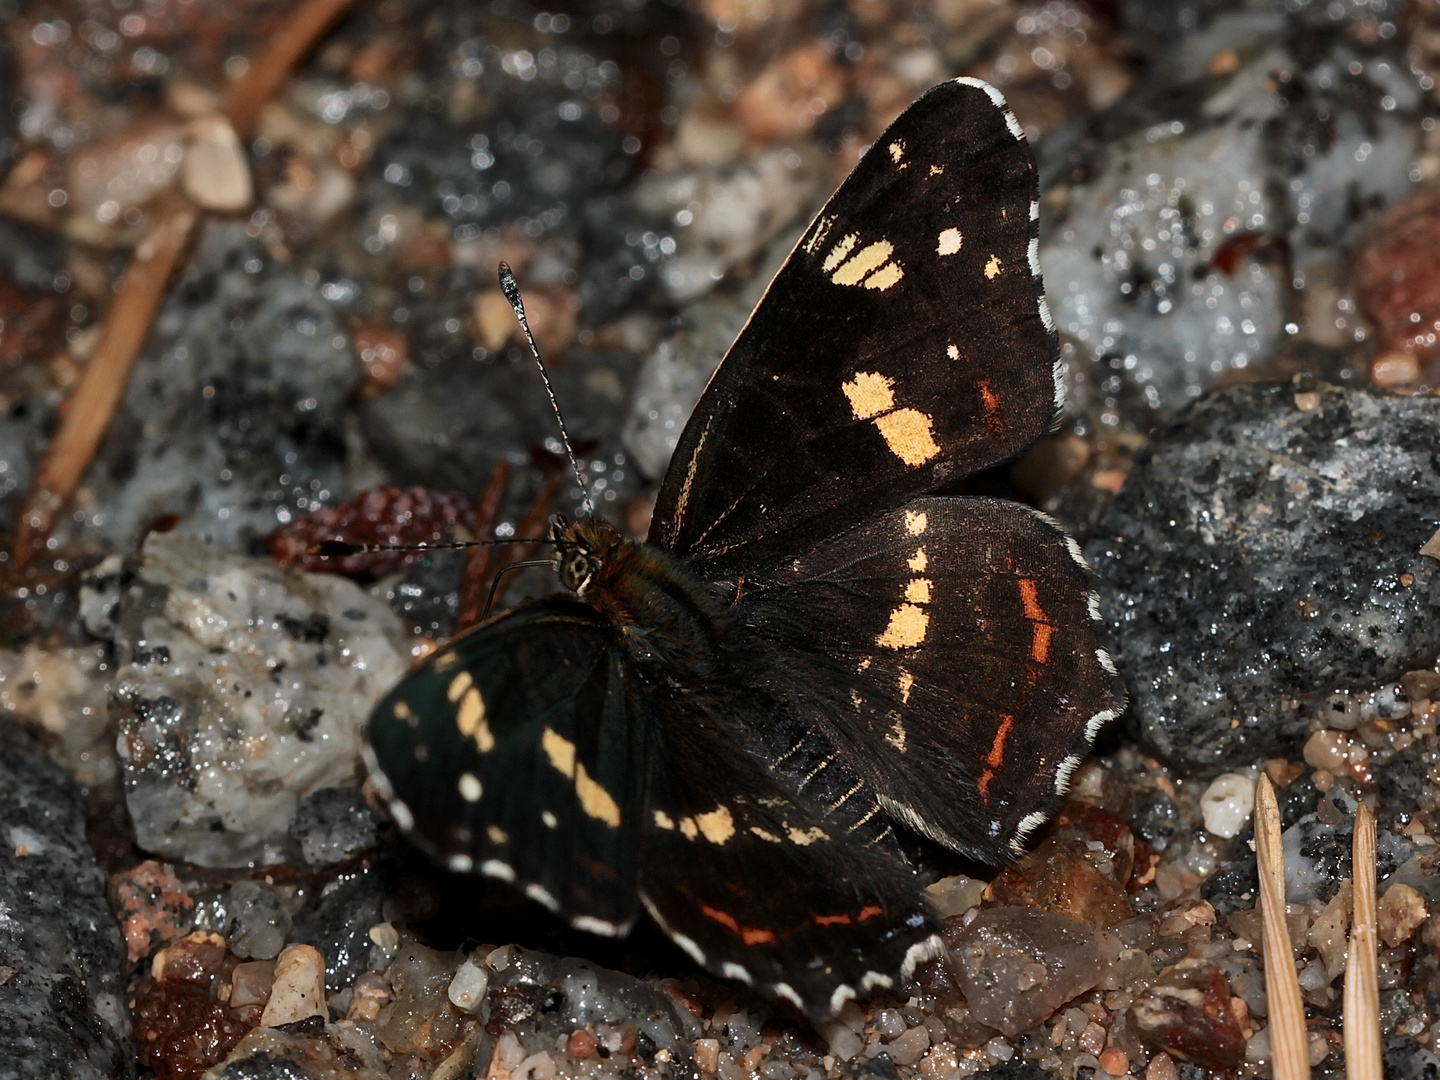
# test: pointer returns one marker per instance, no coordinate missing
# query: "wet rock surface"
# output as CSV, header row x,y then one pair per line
x,y
62,998
1286,520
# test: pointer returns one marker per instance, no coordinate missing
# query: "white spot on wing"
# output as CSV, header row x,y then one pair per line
x,y
1076,554
402,815
919,953
786,991
460,864
541,896
872,979
1033,252
1096,722
696,953
1092,604
1049,322
841,994
1057,371
999,100
592,925
1028,824
1105,661
550,820
1063,774
736,972
470,788
497,869
949,242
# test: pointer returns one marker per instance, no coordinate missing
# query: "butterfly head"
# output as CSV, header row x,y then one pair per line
x,y
581,548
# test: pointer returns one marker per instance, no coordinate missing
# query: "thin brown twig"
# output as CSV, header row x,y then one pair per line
x,y
1289,1046
531,527
285,49
472,595
1363,1060
89,409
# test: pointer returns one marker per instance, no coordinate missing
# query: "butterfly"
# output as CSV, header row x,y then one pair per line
x,y
725,724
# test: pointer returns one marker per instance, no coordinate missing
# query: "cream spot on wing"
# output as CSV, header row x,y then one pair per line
x,y
595,800
907,627
470,719
839,252
953,351
897,151
403,712
497,835
863,263
870,393
458,685
908,434
805,837
896,735
470,789
768,837
856,700
664,820
550,820
903,684
560,751
688,828
717,826
864,664
918,591
822,228
886,276
918,561
950,241
992,267
916,522
446,660
936,170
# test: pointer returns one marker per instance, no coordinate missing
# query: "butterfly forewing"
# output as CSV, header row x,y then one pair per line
x,y
947,649
520,752
786,903
903,344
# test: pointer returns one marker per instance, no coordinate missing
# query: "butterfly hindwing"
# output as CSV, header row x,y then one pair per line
x,y
786,902
519,752
903,344
947,649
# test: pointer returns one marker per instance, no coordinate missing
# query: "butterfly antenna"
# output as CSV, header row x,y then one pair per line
x,y
512,293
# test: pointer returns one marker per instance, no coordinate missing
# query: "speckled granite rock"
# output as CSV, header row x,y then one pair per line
x,y
62,1009
242,689
1263,553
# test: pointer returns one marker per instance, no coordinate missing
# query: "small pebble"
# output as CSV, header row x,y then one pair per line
x,y
299,989
1327,750
215,173
468,988
707,1054
1227,804
1400,911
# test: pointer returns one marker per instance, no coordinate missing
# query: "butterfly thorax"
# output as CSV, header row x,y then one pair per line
x,y
664,616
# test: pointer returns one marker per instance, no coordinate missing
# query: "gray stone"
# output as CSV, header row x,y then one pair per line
x,y
1264,553
339,925
242,689
1405,1059
1161,264
259,921
62,1004
331,825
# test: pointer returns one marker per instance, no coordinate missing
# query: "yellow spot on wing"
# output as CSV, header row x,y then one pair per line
x,y
905,682
918,561
916,522
403,711
992,267
908,434
886,276
896,736
870,394
953,351
865,261
470,719
560,750
688,828
458,685
936,170
768,837
446,660
497,835
717,826
805,837
839,251
918,591
949,242
908,625
595,800
897,151
664,820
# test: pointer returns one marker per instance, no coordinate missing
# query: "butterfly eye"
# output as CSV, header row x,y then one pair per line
x,y
575,570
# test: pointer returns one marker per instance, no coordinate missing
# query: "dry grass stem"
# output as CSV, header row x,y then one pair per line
x,y
472,596
89,409
1362,982
268,71
1289,1045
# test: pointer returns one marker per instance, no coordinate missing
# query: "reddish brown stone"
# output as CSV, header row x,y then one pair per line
x,y
1397,276
180,1030
1087,823
1057,877
196,958
152,906
582,1044
381,515
1186,1013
